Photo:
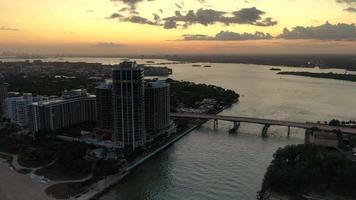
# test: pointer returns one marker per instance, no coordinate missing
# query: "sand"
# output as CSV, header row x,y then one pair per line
x,y
15,186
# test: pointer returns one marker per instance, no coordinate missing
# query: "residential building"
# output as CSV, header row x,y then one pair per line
x,y
104,106
3,91
17,108
72,108
321,138
157,108
129,107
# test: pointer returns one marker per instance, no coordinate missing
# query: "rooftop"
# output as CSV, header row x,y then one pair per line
x,y
104,86
128,65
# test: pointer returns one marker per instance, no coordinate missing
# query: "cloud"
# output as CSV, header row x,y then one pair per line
x,y
107,45
252,16
170,24
326,31
350,3
114,16
351,9
229,36
5,28
131,3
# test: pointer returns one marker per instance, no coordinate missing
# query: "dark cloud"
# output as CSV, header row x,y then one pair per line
x,y
351,9
350,3
5,28
229,36
114,16
138,20
252,16
326,31
107,45
170,24
131,3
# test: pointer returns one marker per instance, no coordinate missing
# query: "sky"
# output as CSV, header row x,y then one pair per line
x,y
178,26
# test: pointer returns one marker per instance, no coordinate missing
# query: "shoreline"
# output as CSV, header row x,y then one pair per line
x,y
115,179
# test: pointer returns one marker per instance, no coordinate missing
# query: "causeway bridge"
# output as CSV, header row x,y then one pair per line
x,y
266,122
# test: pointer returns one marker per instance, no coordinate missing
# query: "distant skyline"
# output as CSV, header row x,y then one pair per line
x,y
178,26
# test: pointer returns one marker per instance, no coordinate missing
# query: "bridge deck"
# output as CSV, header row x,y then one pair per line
x,y
322,127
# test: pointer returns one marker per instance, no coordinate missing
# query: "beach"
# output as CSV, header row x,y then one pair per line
x,y
16,186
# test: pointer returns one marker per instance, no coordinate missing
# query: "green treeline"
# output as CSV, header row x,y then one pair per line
x,y
330,75
189,94
49,85
301,169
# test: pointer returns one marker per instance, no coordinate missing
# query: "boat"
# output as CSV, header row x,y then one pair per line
x,y
207,65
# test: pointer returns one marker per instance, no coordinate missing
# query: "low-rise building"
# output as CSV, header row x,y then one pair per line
x,y
321,138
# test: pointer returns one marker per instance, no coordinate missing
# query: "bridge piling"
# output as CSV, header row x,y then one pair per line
x,y
288,131
235,127
216,123
265,130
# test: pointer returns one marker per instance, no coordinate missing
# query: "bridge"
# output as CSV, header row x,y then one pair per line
x,y
266,122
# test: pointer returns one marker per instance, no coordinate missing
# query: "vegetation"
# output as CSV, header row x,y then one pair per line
x,y
39,153
67,190
70,163
189,95
39,85
297,170
6,157
330,75
106,168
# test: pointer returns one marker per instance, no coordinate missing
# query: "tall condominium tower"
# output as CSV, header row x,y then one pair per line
x,y
157,108
129,106
3,91
104,106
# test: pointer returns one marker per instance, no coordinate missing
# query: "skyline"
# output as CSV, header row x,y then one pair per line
x,y
177,27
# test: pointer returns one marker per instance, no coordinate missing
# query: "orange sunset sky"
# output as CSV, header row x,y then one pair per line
x,y
177,26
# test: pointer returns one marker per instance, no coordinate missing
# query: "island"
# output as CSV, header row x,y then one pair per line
x,y
330,75
309,171
275,69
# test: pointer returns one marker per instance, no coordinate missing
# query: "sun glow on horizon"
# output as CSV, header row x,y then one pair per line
x,y
77,26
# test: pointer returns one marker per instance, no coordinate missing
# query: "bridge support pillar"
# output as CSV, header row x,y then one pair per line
x,y
235,128
236,125
216,123
265,130
288,131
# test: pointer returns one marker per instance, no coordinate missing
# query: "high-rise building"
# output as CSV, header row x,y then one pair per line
x,y
104,106
129,106
3,91
72,108
157,108
17,108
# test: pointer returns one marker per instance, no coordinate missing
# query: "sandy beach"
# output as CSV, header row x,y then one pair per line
x,y
15,186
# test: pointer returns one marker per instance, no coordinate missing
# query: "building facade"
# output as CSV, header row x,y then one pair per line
x,y
3,91
104,106
157,108
128,106
72,108
17,108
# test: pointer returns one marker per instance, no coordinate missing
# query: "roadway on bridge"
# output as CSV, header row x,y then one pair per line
x,y
322,127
